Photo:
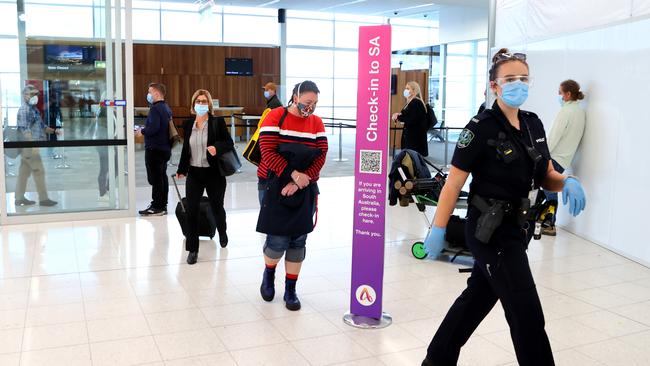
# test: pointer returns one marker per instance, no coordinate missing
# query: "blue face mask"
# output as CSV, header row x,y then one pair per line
x,y
267,94
201,109
149,98
560,100
514,94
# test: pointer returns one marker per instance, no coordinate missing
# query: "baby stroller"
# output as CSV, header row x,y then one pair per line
x,y
411,182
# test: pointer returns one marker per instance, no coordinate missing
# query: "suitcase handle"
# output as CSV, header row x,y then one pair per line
x,y
180,199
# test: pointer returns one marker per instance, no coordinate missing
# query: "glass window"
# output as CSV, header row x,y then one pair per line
x,y
40,20
309,14
345,92
10,61
148,4
307,64
326,87
270,12
420,23
459,92
10,89
410,62
459,65
62,2
8,20
91,173
190,27
457,117
251,29
146,25
464,48
370,19
347,113
347,34
346,64
413,37
309,32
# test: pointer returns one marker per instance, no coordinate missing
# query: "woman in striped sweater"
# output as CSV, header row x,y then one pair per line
x,y
293,128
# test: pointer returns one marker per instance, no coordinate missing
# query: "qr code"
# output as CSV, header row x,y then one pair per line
x,y
370,162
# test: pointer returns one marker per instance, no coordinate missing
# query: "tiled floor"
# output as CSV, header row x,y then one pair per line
x,y
118,292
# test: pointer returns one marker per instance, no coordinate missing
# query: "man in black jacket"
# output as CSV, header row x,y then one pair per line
x,y
272,100
157,149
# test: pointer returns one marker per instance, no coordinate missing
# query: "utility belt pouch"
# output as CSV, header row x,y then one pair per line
x,y
491,217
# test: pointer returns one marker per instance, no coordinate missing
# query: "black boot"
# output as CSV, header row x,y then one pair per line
x,y
290,298
267,290
192,257
223,239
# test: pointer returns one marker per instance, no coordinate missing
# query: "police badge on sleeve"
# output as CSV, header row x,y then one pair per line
x,y
465,138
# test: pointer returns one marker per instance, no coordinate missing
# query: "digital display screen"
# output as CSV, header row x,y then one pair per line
x,y
70,58
239,66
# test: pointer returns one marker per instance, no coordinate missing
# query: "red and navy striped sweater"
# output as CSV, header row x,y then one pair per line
x,y
308,131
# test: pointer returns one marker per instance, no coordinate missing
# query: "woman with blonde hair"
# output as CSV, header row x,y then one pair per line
x,y
206,138
414,118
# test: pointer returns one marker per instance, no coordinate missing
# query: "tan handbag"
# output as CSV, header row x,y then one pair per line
x,y
174,137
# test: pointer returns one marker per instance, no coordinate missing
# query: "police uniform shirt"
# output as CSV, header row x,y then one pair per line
x,y
491,176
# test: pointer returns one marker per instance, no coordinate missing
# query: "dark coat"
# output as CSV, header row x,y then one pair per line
x,y
414,135
291,215
218,137
274,102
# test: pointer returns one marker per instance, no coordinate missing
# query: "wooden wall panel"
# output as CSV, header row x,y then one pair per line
x,y
185,68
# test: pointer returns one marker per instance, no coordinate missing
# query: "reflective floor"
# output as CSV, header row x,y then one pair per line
x,y
118,292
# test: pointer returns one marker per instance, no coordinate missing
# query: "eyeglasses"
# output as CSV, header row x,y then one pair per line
x,y
510,56
512,78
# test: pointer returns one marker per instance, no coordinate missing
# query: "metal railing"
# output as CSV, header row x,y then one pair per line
x,y
338,123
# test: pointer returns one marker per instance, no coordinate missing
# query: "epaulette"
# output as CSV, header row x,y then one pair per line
x,y
481,116
529,114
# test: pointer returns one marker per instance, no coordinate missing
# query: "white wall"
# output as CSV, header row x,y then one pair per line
x,y
611,63
462,23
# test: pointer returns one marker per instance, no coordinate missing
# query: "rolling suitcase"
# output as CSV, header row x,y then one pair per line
x,y
207,221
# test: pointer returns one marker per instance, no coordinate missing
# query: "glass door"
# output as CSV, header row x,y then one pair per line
x,y
62,108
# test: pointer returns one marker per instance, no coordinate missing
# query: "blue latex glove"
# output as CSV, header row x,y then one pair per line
x,y
434,242
574,195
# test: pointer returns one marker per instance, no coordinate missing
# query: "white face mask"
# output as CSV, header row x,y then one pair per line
x,y
33,100
406,93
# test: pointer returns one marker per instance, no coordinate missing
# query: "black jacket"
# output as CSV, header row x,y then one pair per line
x,y
414,135
274,102
218,137
156,128
292,215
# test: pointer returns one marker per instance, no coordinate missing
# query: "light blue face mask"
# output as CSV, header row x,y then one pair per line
x,y
515,93
267,94
201,109
150,98
560,100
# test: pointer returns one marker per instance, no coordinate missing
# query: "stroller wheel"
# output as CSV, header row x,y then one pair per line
x,y
418,250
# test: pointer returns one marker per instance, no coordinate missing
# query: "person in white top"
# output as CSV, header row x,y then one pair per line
x,y
563,140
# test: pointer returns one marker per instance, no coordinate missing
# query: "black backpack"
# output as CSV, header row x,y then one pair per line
x,y
432,121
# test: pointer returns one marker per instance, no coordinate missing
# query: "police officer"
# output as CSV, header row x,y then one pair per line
x,y
504,148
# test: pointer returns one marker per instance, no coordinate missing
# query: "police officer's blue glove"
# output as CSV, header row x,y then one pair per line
x,y
574,195
434,242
